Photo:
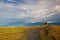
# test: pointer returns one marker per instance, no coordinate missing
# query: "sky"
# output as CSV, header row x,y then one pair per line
x,y
29,11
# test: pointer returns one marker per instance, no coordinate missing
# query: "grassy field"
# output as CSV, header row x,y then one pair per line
x,y
43,32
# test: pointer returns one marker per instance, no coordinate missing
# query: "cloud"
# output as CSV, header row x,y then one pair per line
x,y
57,0
12,0
57,8
36,10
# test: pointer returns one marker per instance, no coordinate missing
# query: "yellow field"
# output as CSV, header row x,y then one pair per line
x,y
44,32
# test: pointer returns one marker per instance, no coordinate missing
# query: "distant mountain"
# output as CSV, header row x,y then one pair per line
x,y
24,24
55,23
35,24
20,23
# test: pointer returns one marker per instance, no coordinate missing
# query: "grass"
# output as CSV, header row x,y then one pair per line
x,y
51,32
43,32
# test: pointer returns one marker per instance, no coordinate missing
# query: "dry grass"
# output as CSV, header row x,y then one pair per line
x,y
51,32
44,32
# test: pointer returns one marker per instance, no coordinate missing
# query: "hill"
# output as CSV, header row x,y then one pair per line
x,y
43,32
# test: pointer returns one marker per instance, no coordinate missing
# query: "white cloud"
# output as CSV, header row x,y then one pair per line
x,y
12,0
9,6
57,8
40,10
57,0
